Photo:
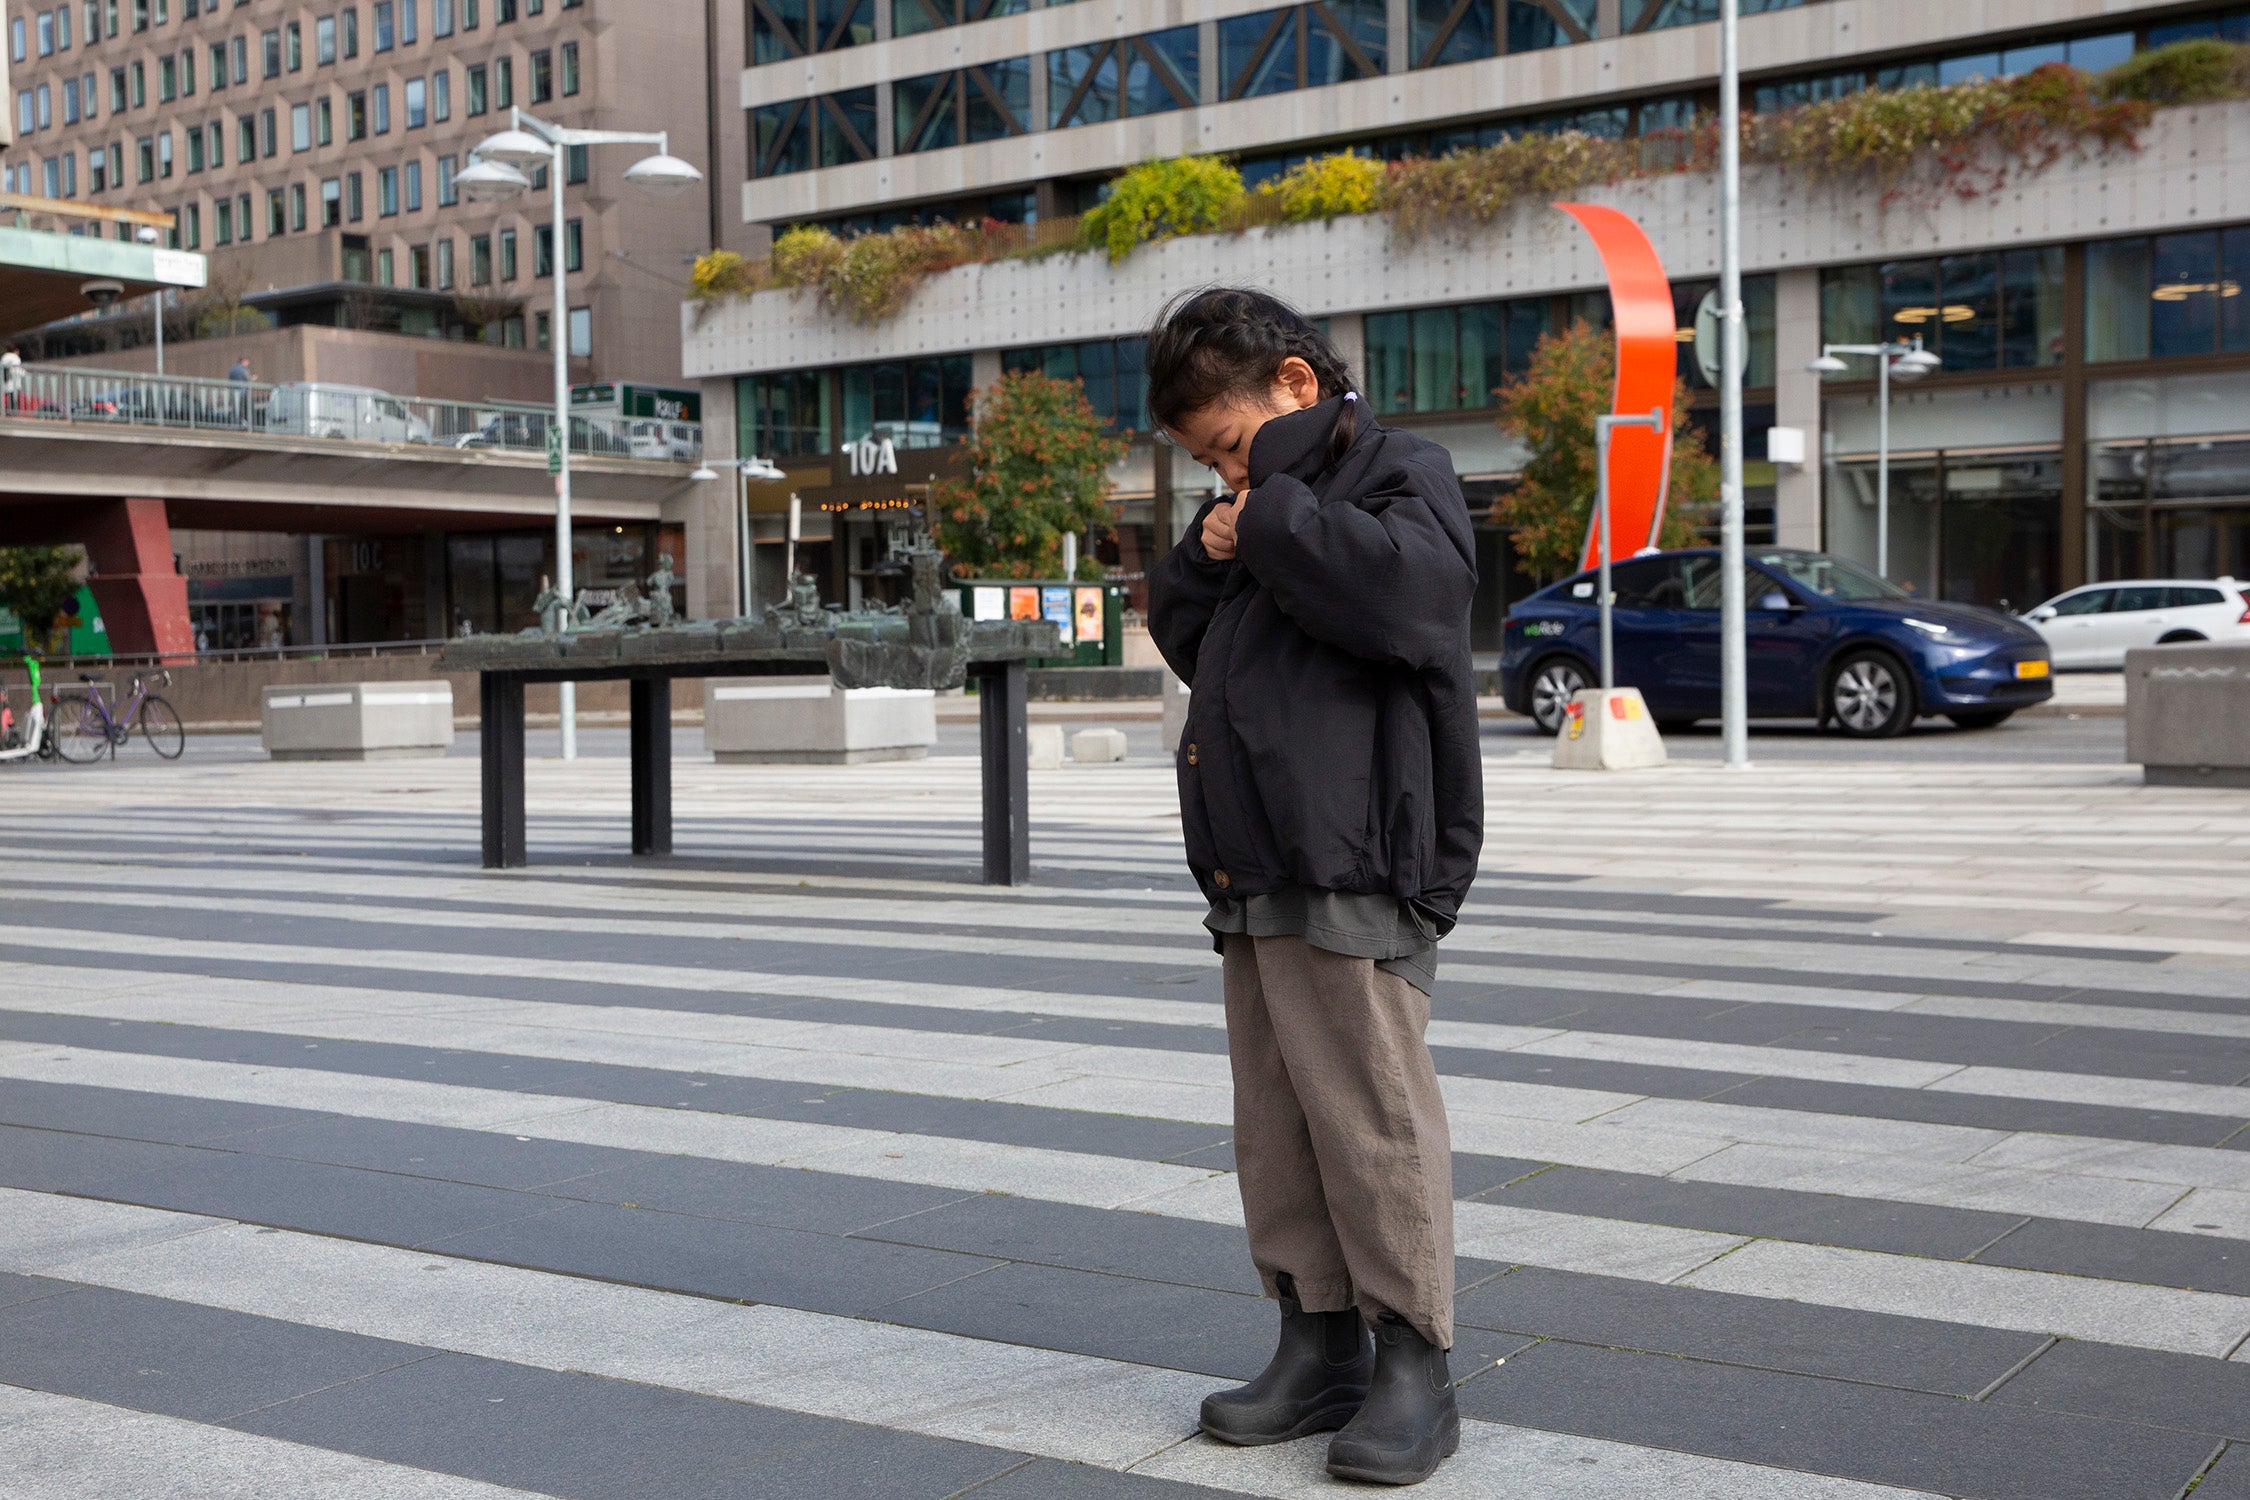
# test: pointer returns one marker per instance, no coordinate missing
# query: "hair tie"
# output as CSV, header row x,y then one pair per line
x,y
1351,395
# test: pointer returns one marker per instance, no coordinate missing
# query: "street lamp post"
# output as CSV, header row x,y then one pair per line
x,y
1734,656
1908,360
497,173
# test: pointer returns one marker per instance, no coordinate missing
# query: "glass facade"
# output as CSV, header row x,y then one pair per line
x,y
782,415
782,29
915,403
1112,371
1987,311
2169,295
1139,75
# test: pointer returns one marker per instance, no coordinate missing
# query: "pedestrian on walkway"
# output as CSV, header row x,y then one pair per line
x,y
11,378
1332,799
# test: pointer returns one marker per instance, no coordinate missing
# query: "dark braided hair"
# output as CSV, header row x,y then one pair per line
x,y
1229,342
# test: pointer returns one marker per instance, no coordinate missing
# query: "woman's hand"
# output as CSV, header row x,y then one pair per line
x,y
1218,529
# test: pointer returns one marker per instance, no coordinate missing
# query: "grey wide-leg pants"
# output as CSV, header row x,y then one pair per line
x,y
1340,1142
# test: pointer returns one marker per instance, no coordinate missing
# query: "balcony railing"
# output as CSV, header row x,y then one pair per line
x,y
305,409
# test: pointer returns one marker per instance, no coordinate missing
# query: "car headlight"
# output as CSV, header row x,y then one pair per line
x,y
1934,632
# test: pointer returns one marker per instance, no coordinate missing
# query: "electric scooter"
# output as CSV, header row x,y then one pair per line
x,y
21,739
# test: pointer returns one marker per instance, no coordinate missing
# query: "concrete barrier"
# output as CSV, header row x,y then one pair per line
x,y
393,720
1608,731
2187,714
1093,747
809,721
1044,748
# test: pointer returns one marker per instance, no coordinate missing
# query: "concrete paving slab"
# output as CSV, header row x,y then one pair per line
x,y
2181,1391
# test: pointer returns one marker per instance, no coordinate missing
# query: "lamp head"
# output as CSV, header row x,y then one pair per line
x,y
758,468
102,293
514,148
490,182
663,175
1827,364
702,472
147,234
1913,364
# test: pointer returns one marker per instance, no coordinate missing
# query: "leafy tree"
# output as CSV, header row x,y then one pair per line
x,y
1039,472
36,585
1552,407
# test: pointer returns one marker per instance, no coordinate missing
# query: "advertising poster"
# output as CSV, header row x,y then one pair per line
x,y
1056,607
1090,616
987,603
1023,603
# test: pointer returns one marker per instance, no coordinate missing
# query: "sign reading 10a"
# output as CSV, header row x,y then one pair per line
x,y
871,456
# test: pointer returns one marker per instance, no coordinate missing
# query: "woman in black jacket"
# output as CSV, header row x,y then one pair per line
x,y
1331,795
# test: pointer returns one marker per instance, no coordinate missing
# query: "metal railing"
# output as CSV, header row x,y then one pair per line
x,y
314,409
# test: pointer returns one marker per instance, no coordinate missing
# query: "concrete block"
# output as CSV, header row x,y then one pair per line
x,y
2187,714
1091,747
1608,732
808,720
1046,749
1175,711
359,720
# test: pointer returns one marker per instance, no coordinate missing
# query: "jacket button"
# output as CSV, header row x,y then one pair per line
x,y
1191,755
1221,879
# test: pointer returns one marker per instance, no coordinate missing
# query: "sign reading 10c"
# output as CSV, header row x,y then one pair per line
x,y
870,456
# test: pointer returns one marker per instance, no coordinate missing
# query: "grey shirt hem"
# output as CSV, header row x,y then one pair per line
x,y
1392,932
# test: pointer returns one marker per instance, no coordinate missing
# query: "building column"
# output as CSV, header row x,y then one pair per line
x,y
1796,342
143,598
1209,85
713,540
1348,332
1398,36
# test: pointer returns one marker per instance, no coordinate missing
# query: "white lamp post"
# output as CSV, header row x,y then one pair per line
x,y
498,172
1603,426
744,470
147,235
1734,655
1893,358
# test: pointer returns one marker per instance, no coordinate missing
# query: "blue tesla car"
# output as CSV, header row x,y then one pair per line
x,y
1828,641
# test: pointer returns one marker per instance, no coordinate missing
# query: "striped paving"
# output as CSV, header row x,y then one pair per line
x,y
1836,1131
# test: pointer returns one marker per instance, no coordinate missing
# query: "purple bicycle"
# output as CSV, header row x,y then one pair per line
x,y
85,724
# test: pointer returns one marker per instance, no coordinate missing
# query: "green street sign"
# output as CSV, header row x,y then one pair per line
x,y
554,450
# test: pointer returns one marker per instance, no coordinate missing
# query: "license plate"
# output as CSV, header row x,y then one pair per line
x,y
2031,669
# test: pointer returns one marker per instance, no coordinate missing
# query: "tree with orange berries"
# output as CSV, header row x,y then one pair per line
x,y
1039,471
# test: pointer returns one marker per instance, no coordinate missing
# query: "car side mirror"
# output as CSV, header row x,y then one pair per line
x,y
2043,612
1776,600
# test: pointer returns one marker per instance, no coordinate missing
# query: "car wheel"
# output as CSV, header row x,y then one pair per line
x,y
1558,681
1676,726
1869,696
2179,637
1982,718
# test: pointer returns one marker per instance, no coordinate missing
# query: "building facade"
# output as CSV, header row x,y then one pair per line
x,y
2087,420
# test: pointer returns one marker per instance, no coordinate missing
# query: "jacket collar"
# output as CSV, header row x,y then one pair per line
x,y
1296,445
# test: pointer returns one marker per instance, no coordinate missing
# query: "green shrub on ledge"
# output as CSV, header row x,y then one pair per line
x,y
1161,200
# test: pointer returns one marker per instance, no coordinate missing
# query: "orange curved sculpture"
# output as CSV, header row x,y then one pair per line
x,y
1640,300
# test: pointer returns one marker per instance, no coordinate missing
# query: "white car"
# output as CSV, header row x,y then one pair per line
x,y
2096,625
320,408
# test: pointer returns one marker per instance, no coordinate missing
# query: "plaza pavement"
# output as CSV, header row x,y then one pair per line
x,y
1834,1132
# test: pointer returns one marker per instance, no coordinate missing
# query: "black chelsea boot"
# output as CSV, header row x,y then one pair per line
x,y
1315,1381
1409,1423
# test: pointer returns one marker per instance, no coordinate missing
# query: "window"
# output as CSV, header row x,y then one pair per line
x,y
324,121
793,28
1442,32
238,58
542,250
418,266
2162,296
783,414
441,18
574,164
215,140
468,15
324,41
542,76
187,71
277,213
46,36
441,96
270,47
476,88
140,86
386,191
27,112
507,255
417,104
116,94
140,15
447,194
70,101
480,257
167,80
569,68
300,127
1139,75
146,158
355,115
15,40
384,37
46,106
581,333
385,269
1450,358
1975,312
911,16
242,215
574,246
297,206
1275,51
406,22
382,111
331,202
246,138
919,403
293,46
195,150
164,154
355,203
503,82
222,222
87,95
968,104
1111,371
351,32
445,264
503,11
833,129
269,137
218,74
414,186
